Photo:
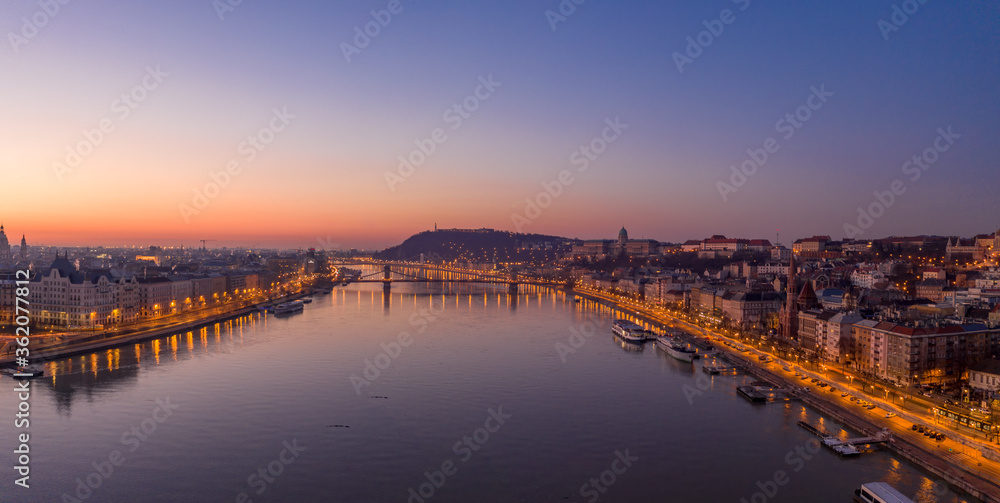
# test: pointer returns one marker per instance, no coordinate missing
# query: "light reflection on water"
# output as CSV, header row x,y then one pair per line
x,y
260,380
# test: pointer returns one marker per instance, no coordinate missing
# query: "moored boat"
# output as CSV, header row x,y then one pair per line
x,y
676,349
23,372
295,306
879,492
628,331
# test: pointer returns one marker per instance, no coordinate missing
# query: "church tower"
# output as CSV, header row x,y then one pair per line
x,y
24,248
4,244
789,315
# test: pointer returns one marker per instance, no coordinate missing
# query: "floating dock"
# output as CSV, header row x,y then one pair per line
x,y
847,447
752,393
719,368
763,392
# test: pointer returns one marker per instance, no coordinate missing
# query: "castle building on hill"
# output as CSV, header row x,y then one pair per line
x,y
600,248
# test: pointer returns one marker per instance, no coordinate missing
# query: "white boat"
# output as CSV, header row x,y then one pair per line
x,y
24,372
675,349
294,306
628,331
879,492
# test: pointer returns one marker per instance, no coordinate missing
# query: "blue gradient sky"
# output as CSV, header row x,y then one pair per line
x,y
322,179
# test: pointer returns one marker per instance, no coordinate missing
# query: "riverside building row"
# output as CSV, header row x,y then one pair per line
x,y
63,296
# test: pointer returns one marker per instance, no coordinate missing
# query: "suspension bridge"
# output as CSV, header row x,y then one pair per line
x,y
419,273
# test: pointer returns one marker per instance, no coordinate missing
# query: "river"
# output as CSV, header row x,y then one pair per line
x,y
438,393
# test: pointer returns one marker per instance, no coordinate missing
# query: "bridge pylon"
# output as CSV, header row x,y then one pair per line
x,y
512,283
386,278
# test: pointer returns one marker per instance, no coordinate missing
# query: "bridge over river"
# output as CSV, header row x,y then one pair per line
x,y
405,272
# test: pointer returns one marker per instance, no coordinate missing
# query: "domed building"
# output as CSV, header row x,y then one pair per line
x,y
600,248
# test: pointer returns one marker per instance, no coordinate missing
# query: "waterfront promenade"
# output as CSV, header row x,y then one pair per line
x,y
52,346
958,459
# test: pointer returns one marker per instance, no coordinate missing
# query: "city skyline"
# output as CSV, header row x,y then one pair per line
x,y
326,244
442,250
829,105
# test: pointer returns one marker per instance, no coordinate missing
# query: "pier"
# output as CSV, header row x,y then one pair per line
x,y
719,368
847,447
763,392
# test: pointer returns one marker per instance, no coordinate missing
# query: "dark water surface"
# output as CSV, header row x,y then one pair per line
x,y
473,400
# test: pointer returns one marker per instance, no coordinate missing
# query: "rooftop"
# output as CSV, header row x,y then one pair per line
x,y
987,366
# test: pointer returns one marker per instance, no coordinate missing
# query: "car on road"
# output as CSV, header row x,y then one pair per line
x,y
890,415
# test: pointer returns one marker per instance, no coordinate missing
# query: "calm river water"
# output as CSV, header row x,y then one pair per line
x,y
433,394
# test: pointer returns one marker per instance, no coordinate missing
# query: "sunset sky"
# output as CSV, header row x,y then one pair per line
x,y
210,83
